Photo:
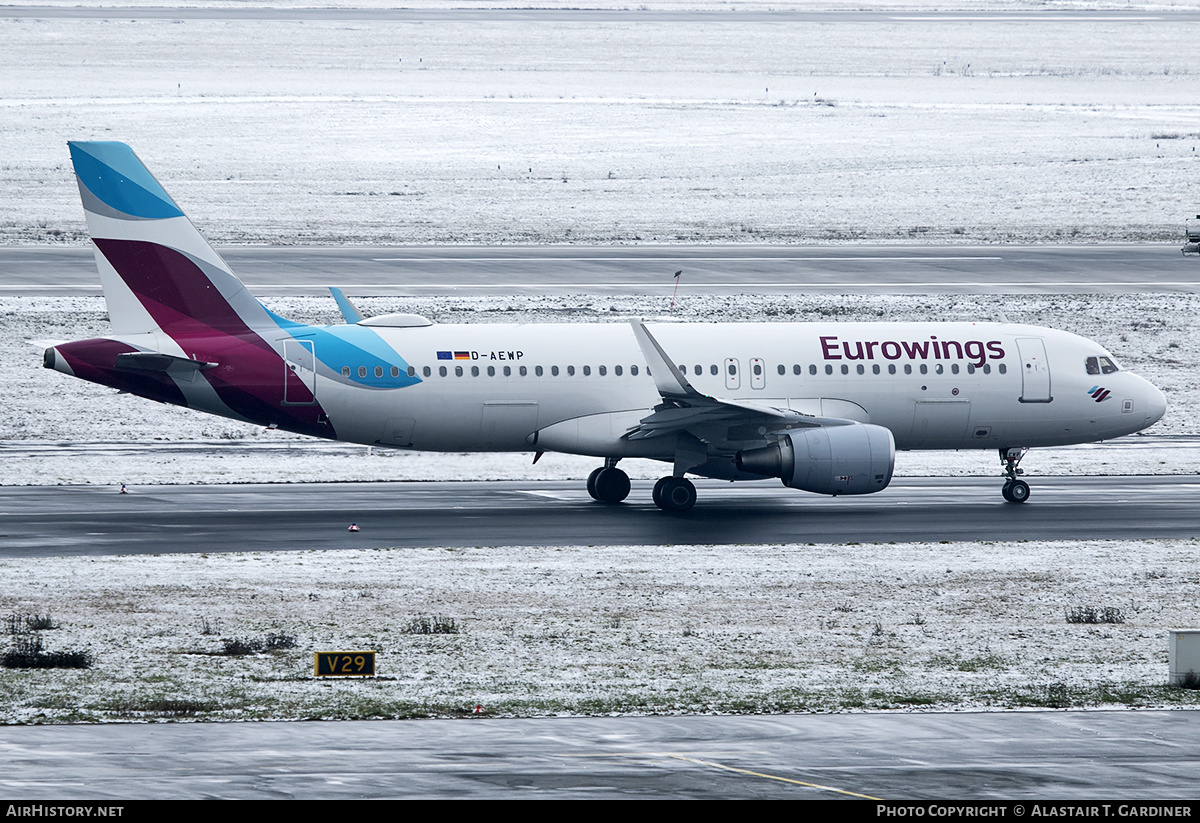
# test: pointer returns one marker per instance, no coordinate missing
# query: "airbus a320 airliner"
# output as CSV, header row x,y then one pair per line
x,y
822,406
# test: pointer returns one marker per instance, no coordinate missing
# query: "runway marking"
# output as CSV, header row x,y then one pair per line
x,y
771,777
564,495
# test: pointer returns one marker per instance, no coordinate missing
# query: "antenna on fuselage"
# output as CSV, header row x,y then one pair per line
x,y
675,292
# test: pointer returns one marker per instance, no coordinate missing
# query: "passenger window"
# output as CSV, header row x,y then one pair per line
x,y
617,371
828,369
1003,369
845,369
812,368
908,368
699,370
875,369
570,371
345,371
379,371
587,371
891,368
602,369
782,369
458,371
554,371
633,370
427,371
442,371
491,371
362,371
714,370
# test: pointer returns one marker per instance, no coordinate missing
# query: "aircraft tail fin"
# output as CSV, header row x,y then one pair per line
x,y
157,270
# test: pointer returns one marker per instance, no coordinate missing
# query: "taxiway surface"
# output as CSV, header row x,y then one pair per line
x,y
498,270
1016,756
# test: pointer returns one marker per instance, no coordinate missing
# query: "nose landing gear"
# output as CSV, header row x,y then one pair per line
x,y
1014,490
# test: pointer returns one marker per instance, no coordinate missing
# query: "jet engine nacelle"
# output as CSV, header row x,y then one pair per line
x,y
853,459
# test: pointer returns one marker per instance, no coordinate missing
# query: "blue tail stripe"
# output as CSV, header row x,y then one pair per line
x,y
113,173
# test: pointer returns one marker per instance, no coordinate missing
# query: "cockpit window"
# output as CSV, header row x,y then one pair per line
x,y
1101,365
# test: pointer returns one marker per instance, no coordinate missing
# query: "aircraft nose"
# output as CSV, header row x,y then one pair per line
x,y
1155,404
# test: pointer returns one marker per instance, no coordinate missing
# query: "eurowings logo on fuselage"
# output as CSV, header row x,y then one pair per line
x,y
1099,393
976,351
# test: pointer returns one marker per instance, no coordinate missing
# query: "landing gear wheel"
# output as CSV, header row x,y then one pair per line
x,y
610,485
657,493
1015,491
591,482
674,494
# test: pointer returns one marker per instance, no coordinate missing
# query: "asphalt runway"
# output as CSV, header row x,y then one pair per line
x,y
494,270
93,520
1064,756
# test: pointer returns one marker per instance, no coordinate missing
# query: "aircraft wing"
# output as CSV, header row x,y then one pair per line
x,y
686,409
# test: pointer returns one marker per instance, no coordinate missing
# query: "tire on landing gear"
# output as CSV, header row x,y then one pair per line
x,y
591,482
674,494
1015,491
608,485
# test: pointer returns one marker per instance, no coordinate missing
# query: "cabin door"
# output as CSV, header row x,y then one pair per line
x,y
1035,370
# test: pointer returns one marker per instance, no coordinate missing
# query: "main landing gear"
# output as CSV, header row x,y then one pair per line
x,y
608,484
1014,490
674,494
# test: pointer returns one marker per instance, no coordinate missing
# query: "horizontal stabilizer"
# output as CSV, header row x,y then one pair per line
x,y
156,361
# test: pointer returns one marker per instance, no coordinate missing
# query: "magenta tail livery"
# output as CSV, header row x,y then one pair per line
x,y
822,406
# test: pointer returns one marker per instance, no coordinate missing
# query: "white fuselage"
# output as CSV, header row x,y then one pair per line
x,y
581,386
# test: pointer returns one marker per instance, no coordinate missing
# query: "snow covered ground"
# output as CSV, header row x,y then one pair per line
x,y
500,131
593,630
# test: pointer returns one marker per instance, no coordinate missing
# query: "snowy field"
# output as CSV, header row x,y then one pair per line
x,y
498,131
596,630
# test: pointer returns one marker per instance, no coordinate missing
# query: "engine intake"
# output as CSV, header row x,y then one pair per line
x,y
853,459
